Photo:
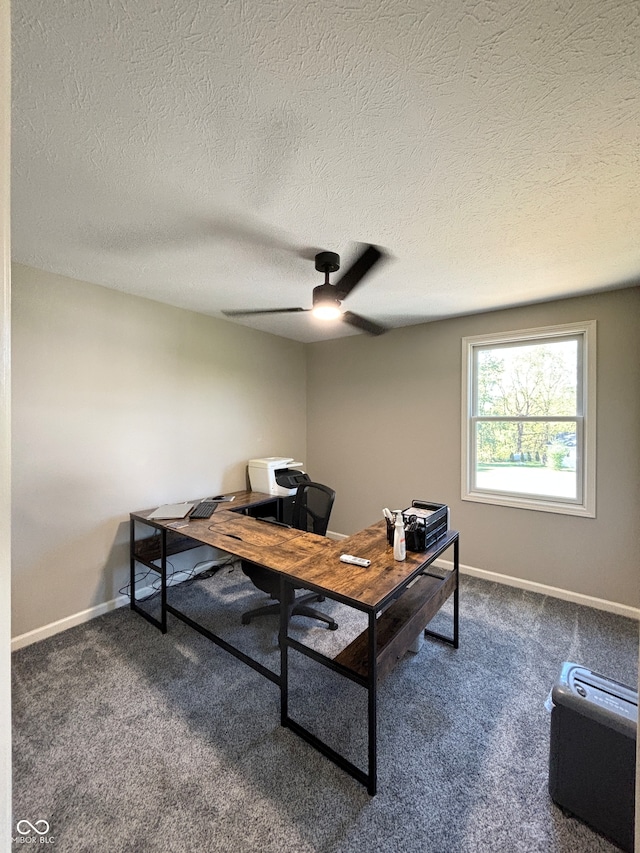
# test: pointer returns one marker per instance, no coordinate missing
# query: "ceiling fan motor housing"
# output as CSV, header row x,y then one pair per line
x,y
325,294
327,262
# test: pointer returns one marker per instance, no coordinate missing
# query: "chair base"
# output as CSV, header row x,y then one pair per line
x,y
298,607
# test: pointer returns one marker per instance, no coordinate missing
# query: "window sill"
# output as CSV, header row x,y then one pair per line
x,y
523,502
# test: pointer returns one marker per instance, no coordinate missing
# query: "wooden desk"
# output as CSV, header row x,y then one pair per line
x,y
399,598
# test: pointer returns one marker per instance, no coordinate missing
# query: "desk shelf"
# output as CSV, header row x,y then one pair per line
x,y
399,625
147,550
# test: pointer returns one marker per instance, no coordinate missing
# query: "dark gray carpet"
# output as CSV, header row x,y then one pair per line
x,y
127,740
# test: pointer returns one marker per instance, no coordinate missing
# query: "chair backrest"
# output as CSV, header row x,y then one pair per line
x,y
312,506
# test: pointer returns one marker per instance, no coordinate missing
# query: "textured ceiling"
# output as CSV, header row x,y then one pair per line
x,y
198,153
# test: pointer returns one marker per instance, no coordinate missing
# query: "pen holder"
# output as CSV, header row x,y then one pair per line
x,y
390,531
414,538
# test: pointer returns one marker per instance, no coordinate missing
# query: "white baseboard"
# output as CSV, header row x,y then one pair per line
x,y
331,534
122,600
543,589
555,592
68,622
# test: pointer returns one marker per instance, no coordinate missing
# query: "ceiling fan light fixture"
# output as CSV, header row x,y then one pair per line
x,y
326,305
326,311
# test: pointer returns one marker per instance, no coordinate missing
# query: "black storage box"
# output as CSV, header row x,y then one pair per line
x,y
431,523
592,755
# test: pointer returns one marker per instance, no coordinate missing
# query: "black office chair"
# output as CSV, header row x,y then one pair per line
x,y
312,506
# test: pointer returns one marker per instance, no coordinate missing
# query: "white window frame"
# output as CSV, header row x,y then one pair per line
x,y
585,503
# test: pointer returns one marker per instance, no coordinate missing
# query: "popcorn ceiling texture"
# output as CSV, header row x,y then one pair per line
x,y
198,153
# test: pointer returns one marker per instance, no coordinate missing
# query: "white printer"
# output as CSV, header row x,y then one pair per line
x,y
276,475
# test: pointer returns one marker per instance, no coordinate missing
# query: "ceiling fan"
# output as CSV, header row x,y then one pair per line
x,y
327,297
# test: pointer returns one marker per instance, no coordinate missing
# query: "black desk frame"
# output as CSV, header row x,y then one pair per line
x,y
165,607
369,682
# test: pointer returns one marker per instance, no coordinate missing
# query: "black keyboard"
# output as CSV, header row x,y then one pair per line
x,y
204,509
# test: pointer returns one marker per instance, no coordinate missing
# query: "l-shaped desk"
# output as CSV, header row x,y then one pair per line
x,y
399,598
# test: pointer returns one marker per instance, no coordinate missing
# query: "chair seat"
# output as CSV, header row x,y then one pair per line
x,y
311,510
260,577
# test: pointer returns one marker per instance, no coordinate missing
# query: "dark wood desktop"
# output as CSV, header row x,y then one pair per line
x,y
399,598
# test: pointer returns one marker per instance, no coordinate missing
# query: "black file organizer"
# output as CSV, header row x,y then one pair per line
x,y
427,531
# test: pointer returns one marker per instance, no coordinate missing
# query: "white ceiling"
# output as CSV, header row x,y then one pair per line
x,y
198,153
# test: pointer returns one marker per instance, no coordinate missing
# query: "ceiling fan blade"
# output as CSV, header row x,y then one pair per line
x,y
242,313
357,271
251,232
205,230
363,324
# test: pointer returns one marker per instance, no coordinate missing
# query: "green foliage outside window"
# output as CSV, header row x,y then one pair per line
x,y
533,380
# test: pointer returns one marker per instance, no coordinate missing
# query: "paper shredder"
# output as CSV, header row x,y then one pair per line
x,y
592,756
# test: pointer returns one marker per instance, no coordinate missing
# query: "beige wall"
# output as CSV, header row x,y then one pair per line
x,y
121,403
384,419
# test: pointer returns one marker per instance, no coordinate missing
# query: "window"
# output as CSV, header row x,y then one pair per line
x,y
528,419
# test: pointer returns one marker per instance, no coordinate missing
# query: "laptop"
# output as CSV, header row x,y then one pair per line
x,y
172,511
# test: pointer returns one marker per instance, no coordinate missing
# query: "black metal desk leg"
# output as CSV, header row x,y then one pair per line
x,y
456,593
373,715
284,656
132,564
163,580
